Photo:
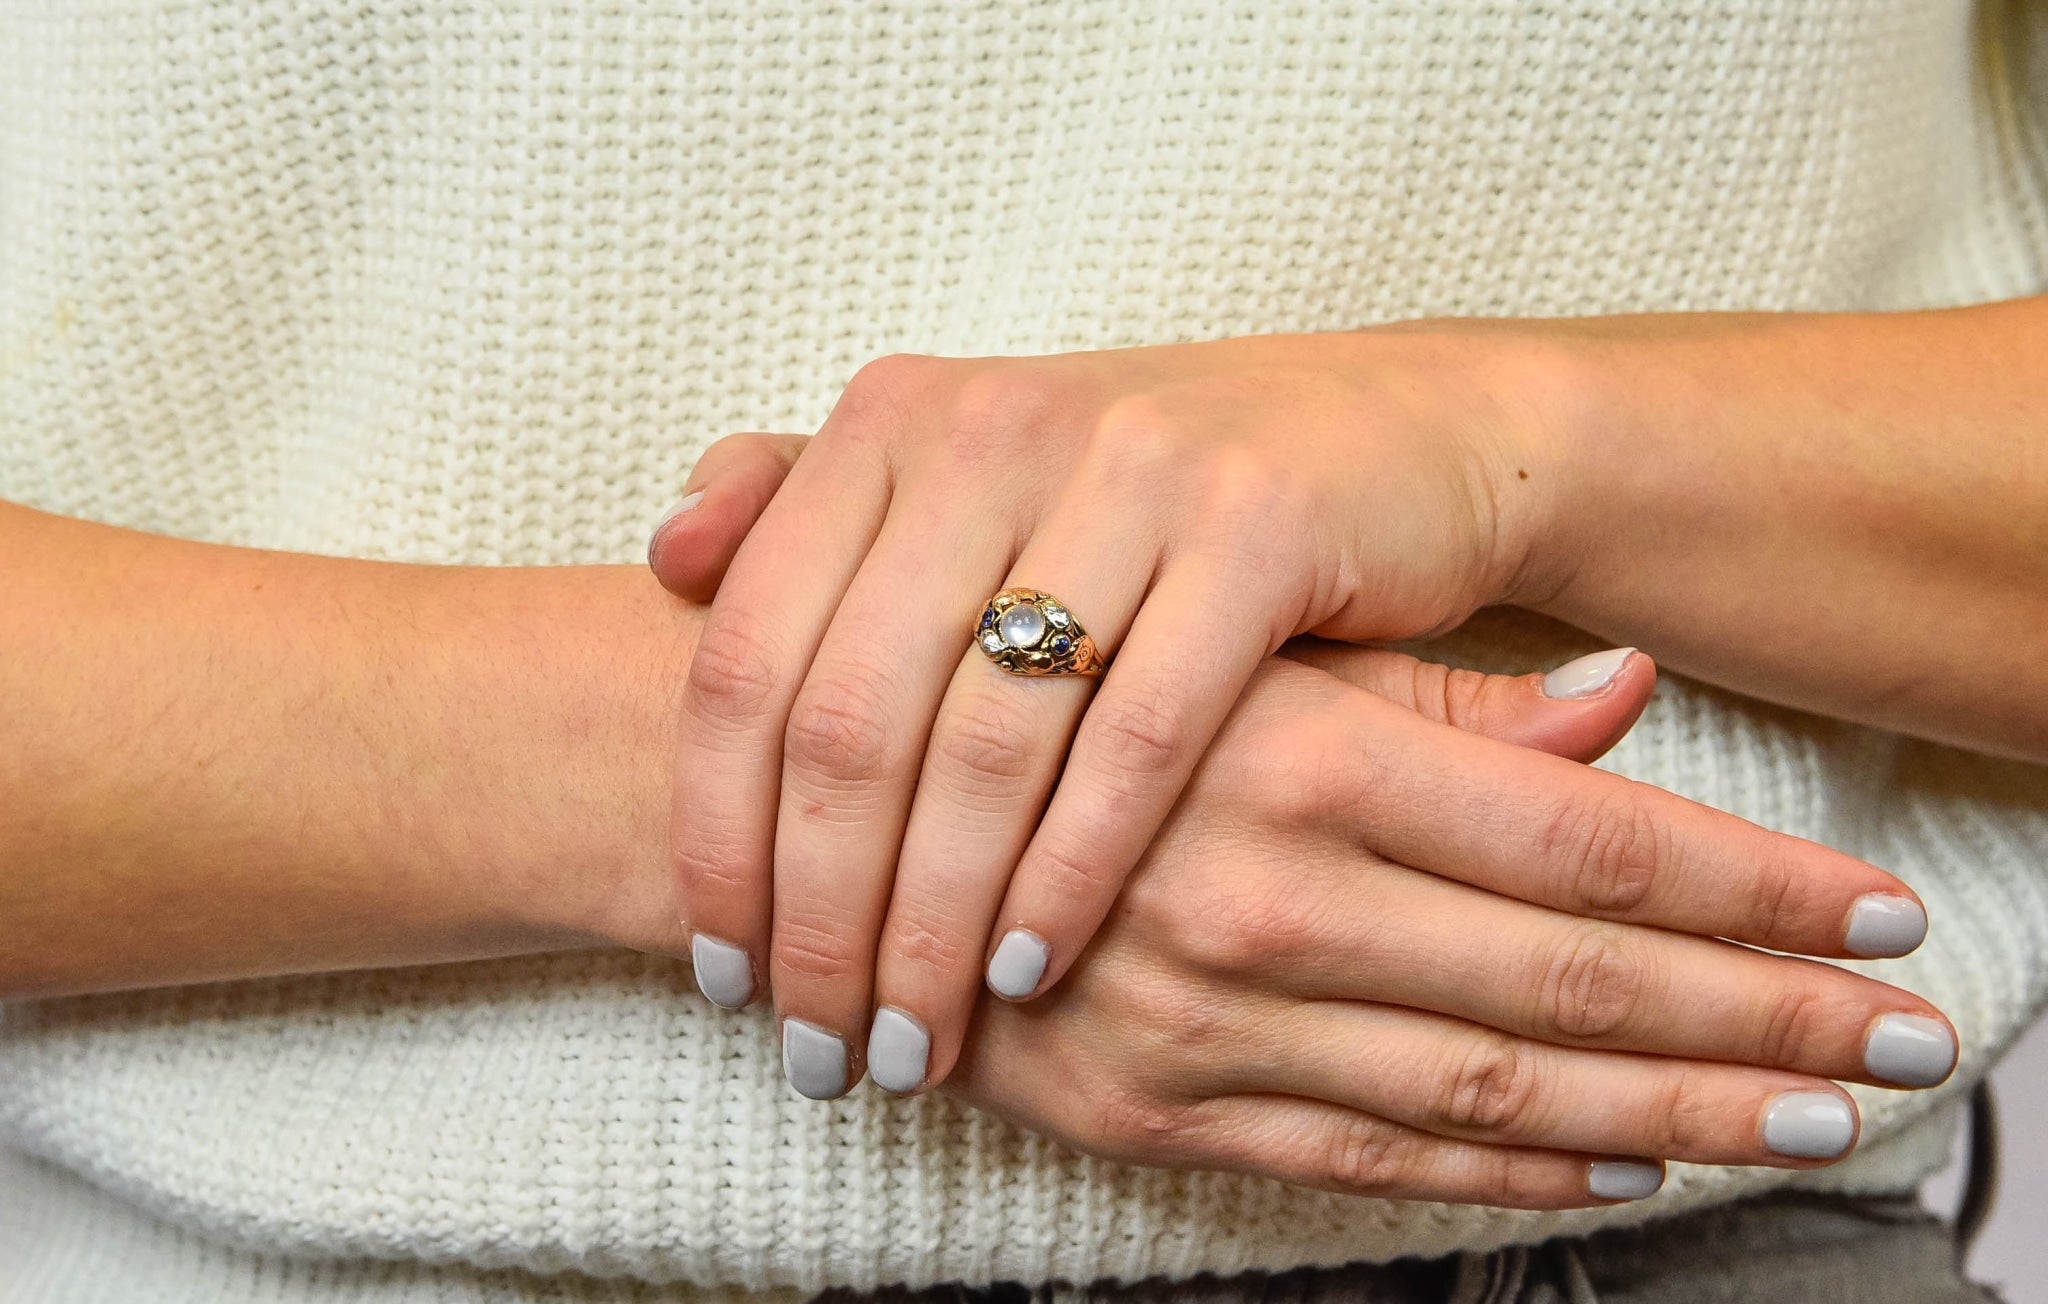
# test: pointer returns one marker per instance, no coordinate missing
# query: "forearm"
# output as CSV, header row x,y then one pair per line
x,y
218,762
1846,514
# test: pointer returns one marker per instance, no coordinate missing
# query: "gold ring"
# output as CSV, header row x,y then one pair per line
x,y
1031,633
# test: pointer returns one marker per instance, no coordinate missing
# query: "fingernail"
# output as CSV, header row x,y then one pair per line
x,y
1620,1179
683,505
1884,926
1587,675
813,1060
1808,1125
1909,1049
1018,964
724,974
898,1049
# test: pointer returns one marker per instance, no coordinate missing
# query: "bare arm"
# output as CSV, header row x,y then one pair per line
x,y
1847,514
217,762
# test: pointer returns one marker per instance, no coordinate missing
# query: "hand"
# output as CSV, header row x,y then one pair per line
x,y
1608,848
1282,991
1279,993
1193,505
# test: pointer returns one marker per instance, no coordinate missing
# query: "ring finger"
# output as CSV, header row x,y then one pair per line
x,y
995,750
1539,973
1458,1079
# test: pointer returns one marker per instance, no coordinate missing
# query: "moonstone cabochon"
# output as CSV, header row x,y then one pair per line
x,y
1027,632
1022,626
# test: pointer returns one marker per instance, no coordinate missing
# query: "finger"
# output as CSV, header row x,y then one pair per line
x,y
1458,1079
1190,652
1317,1144
856,740
1578,711
995,749
727,491
755,647
1594,844
1413,939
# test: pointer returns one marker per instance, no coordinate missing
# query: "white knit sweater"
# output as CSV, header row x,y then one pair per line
x,y
477,282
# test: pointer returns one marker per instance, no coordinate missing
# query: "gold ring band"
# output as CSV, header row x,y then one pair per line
x,y
1031,633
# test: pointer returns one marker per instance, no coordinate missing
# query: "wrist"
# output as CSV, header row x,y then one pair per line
x,y
1529,400
561,707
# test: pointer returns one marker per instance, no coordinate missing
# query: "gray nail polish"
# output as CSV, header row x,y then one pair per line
x,y
1018,964
1883,926
682,505
1808,1125
813,1060
898,1050
724,974
1909,1049
1587,675
1617,1179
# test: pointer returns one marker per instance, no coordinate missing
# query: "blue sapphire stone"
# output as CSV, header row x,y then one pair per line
x,y
988,617
1060,644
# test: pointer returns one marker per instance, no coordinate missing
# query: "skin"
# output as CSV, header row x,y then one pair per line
x,y
869,810
306,763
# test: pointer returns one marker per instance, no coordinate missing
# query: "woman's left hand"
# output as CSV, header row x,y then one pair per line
x,y
1192,506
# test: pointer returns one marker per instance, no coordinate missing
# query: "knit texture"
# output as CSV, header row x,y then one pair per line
x,y
477,283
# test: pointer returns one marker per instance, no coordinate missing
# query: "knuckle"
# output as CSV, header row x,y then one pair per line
x,y
1004,401
839,734
1593,984
1516,1179
1071,877
1310,773
1366,1155
813,948
1491,1088
709,870
1776,900
1242,927
1682,1119
1610,846
734,672
882,387
1243,493
1790,1025
1140,732
1183,1020
985,749
1461,697
1131,1121
927,938
1135,441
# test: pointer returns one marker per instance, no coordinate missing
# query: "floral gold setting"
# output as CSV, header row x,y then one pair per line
x,y
1027,632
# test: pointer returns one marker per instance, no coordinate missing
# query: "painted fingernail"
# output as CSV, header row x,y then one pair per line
x,y
1884,926
1620,1179
1587,675
1808,1125
898,1049
1018,964
813,1060
724,974
1909,1049
687,502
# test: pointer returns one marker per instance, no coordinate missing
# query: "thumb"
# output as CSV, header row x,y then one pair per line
x,y
1577,711
726,493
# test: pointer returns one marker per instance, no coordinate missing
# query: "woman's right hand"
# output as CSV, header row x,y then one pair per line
x,y
1376,953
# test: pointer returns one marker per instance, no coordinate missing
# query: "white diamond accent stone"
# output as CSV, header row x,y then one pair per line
x,y
991,640
1057,614
1022,626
